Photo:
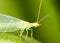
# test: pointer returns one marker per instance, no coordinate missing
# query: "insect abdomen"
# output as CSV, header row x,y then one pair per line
x,y
8,27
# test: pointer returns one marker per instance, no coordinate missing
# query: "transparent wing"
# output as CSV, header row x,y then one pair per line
x,y
6,18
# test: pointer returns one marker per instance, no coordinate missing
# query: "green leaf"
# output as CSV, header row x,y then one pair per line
x,y
9,38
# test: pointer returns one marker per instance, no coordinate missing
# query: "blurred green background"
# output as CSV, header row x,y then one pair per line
x,y
49,31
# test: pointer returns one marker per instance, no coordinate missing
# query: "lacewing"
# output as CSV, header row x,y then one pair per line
x,y
11,24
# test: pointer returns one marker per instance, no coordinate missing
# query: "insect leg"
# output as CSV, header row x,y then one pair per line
x,y
31,33
26,35
21,33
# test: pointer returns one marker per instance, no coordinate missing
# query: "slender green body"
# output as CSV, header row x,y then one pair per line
x,y
11,24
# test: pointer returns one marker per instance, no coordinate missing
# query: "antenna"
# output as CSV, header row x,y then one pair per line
x,y
43,18
39,10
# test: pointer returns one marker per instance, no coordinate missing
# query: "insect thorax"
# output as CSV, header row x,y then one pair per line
x,y
23,25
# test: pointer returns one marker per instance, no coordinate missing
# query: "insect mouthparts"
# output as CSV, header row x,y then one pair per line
x,y
36,24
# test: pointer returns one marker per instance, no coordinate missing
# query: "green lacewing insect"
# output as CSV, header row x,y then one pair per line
x,y
11,24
